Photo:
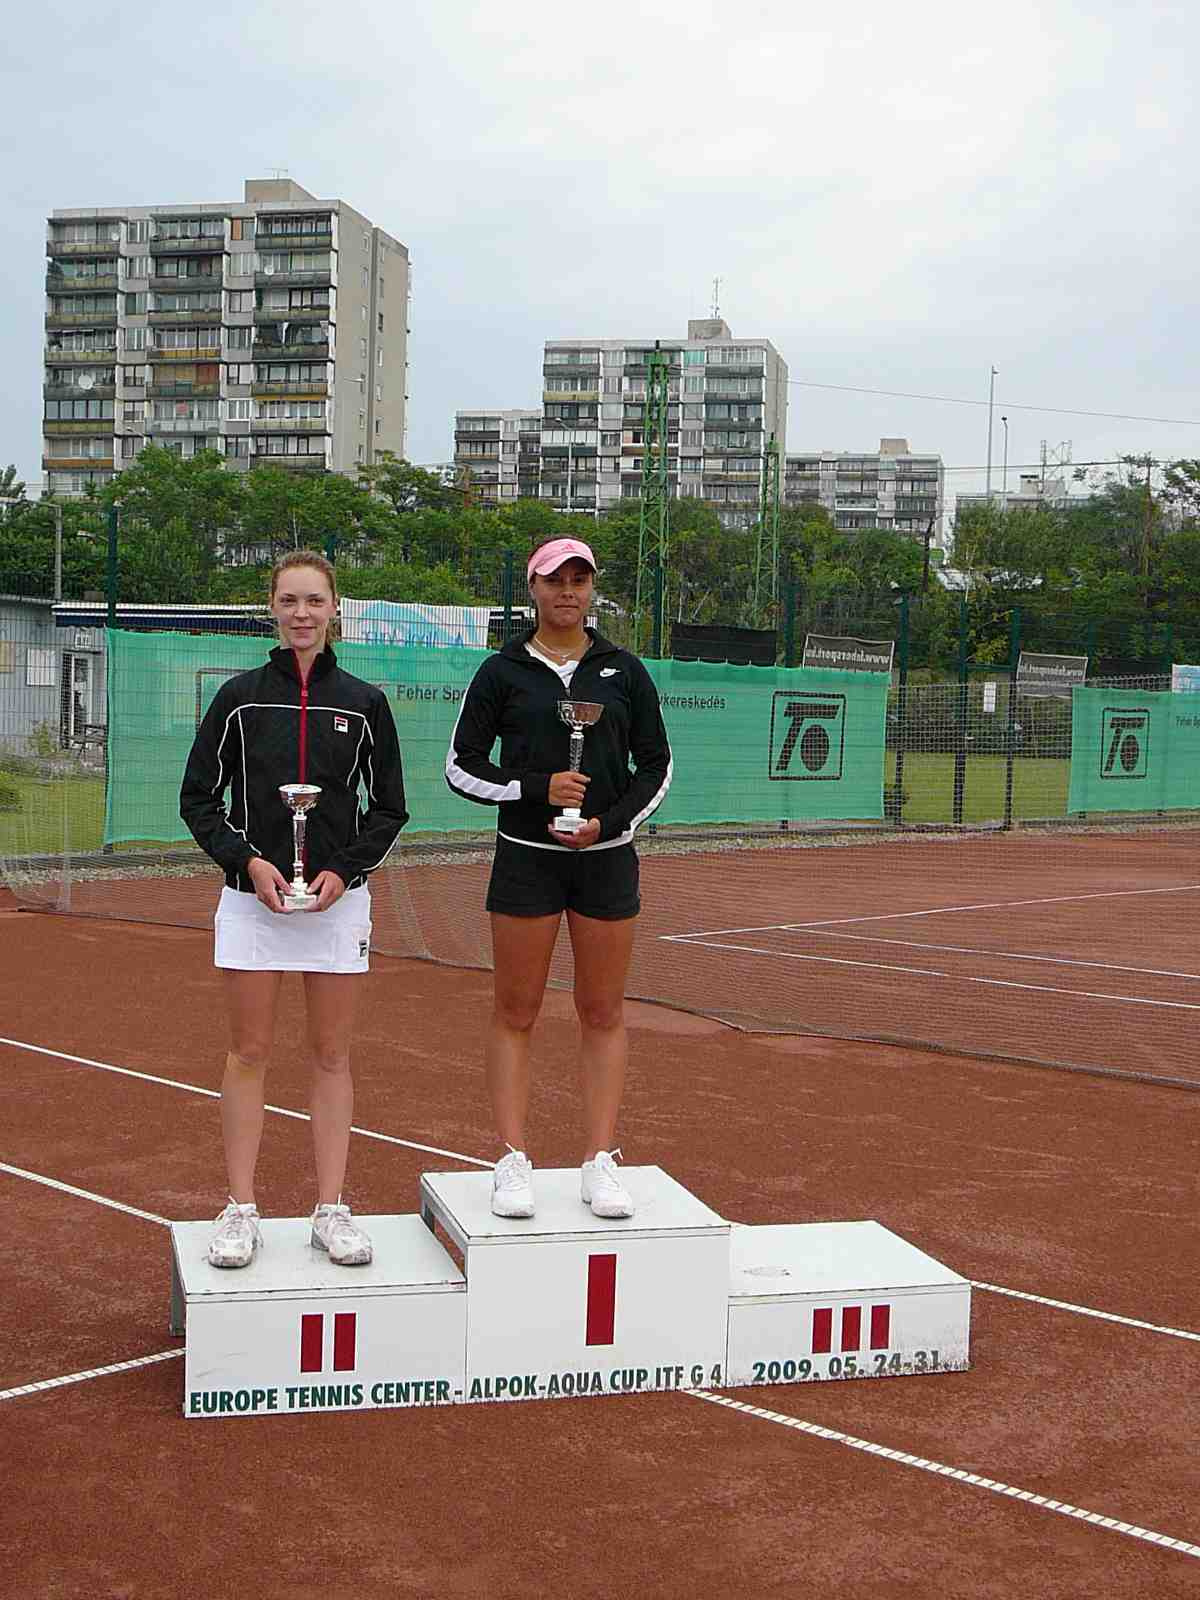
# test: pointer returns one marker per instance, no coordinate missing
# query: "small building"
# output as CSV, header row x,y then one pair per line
x,y
52,680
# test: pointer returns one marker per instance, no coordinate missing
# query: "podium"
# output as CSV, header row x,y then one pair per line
x,y
560,1304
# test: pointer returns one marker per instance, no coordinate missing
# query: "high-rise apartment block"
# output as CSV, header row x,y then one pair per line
x,y
496,454
727,401
275,330
892,488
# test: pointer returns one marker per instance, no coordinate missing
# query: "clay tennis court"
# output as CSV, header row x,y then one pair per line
x,y
1062,1464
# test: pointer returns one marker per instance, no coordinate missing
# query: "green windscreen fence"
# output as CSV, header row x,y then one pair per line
x,y
1134,751
749,743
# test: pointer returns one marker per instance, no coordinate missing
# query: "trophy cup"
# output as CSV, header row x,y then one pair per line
x,y
578,715
299,798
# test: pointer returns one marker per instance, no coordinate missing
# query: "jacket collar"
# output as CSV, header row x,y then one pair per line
x,y
515,648
285,661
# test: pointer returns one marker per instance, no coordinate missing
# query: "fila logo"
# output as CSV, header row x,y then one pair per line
x,y
851,1329
341,725
608,672
312,1341
601,1299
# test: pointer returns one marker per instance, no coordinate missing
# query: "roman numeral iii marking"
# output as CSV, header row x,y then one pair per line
x,y
851,1329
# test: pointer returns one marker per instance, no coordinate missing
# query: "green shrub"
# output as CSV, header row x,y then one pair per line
x,y
10,794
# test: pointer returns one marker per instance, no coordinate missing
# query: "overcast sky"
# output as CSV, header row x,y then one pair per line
x,y
898,196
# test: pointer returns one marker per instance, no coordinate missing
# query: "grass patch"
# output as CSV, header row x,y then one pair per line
x,y
53,814
1039,787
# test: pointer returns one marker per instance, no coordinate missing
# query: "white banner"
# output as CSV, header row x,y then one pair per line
x,y
405,623
1185,679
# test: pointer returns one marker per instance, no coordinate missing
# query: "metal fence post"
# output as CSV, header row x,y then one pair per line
x,y
507,594
1014,655
789,621
897,804
656,640
960,751
111,576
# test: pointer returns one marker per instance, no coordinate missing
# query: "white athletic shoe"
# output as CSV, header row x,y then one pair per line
x,y
237,1236
335,1230
602,1189
512,1185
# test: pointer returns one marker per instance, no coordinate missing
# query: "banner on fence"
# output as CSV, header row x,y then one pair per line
x,y
750,744
1134,751
1049,677
1184,679
848,655
412,626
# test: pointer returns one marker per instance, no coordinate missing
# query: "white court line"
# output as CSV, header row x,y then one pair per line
x,y
1096,1518
950,977
934,911
92,1372
1002,955
1088,1311
82,1194
215,1094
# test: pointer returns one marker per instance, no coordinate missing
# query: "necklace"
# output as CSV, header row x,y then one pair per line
x,y
563,655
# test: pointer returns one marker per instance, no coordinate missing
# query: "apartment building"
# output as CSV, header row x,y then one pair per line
x,y
891,488
272,330
1035,491
727,401
496,454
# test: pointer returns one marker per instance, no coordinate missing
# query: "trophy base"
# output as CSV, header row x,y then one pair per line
x,y
568,824
298,902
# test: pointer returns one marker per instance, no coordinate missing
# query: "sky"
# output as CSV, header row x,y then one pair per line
x,y
899,197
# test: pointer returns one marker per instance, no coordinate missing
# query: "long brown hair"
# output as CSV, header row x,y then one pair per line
x,y
308,558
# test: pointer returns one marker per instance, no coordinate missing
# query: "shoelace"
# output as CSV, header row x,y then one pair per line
x,y
233,1217
513,1174
606,1168
340,1223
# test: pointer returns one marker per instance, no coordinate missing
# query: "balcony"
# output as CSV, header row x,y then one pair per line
x,y
313,463
183,424
294,280
76,463
292,425
311,389
189,281
58,283
470,458
85,425
268,239
58,320
74,248
307,314
72,391
211,246
207,352
265,350
80,358
581,397
206,316
182,391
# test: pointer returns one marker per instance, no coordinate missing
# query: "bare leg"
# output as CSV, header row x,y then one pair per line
x,y
252,999
331,997
521,951
602,953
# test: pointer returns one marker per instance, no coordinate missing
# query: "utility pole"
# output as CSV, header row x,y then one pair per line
x,y
654,529
991,405
768,525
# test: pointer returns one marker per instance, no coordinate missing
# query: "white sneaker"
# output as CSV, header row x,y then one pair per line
x,y
335,1230
237,1236
602,1189
512,1185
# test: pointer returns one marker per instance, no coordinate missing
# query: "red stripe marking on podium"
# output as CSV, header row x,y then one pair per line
x,y
601,1299
822,1331
344,1333
881,1327
851,1327
312,1342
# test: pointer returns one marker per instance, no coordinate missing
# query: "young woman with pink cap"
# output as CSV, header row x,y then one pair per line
x,y
540,872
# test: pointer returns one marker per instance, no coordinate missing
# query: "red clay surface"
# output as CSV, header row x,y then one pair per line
x,y
1077,1189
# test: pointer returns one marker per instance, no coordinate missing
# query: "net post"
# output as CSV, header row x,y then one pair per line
x,y
897,806
1014,655
960,751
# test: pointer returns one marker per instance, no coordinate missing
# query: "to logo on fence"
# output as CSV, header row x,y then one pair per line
x,y
851,1329
312,1341
1124,742
808,735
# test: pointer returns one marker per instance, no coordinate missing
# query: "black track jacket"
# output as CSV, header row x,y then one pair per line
x,y
514,698
265,728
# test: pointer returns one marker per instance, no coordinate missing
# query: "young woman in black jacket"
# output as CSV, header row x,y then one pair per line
x,y
299,718
539,871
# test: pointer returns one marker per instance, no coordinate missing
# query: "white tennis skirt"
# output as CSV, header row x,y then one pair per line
x,y
249,938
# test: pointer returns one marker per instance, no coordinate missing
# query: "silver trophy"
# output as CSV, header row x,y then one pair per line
x,y
299,798
578,715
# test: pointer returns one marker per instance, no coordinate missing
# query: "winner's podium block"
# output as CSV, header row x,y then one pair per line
x,y
841,1300
566,1303
294,1332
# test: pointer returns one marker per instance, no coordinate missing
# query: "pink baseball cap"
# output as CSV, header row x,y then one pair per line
x,y
551,556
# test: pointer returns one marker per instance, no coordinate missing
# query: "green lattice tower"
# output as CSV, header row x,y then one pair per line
x,y
768,526
654,520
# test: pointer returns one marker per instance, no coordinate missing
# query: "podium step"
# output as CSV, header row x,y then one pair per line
x,y
562,1303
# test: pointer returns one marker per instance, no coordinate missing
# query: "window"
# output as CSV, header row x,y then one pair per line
x,y
379,391
362,349
379,323
362,422
79,410
366,241
40,666
693,358
133,377
382,281
378,424
137,231
237,410
238,300
241,264
379,356
134,338
241,227
137,267
133,410
130,447
693,384
238,338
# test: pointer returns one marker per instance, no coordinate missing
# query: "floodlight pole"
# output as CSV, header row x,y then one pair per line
x,y
991,406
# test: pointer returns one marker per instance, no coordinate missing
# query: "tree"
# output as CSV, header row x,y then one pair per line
x,y
176,515
405,487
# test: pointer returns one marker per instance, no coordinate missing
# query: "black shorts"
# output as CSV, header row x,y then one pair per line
x,y
528,882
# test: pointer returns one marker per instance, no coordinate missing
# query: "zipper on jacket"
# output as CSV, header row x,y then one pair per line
x,y
303,676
